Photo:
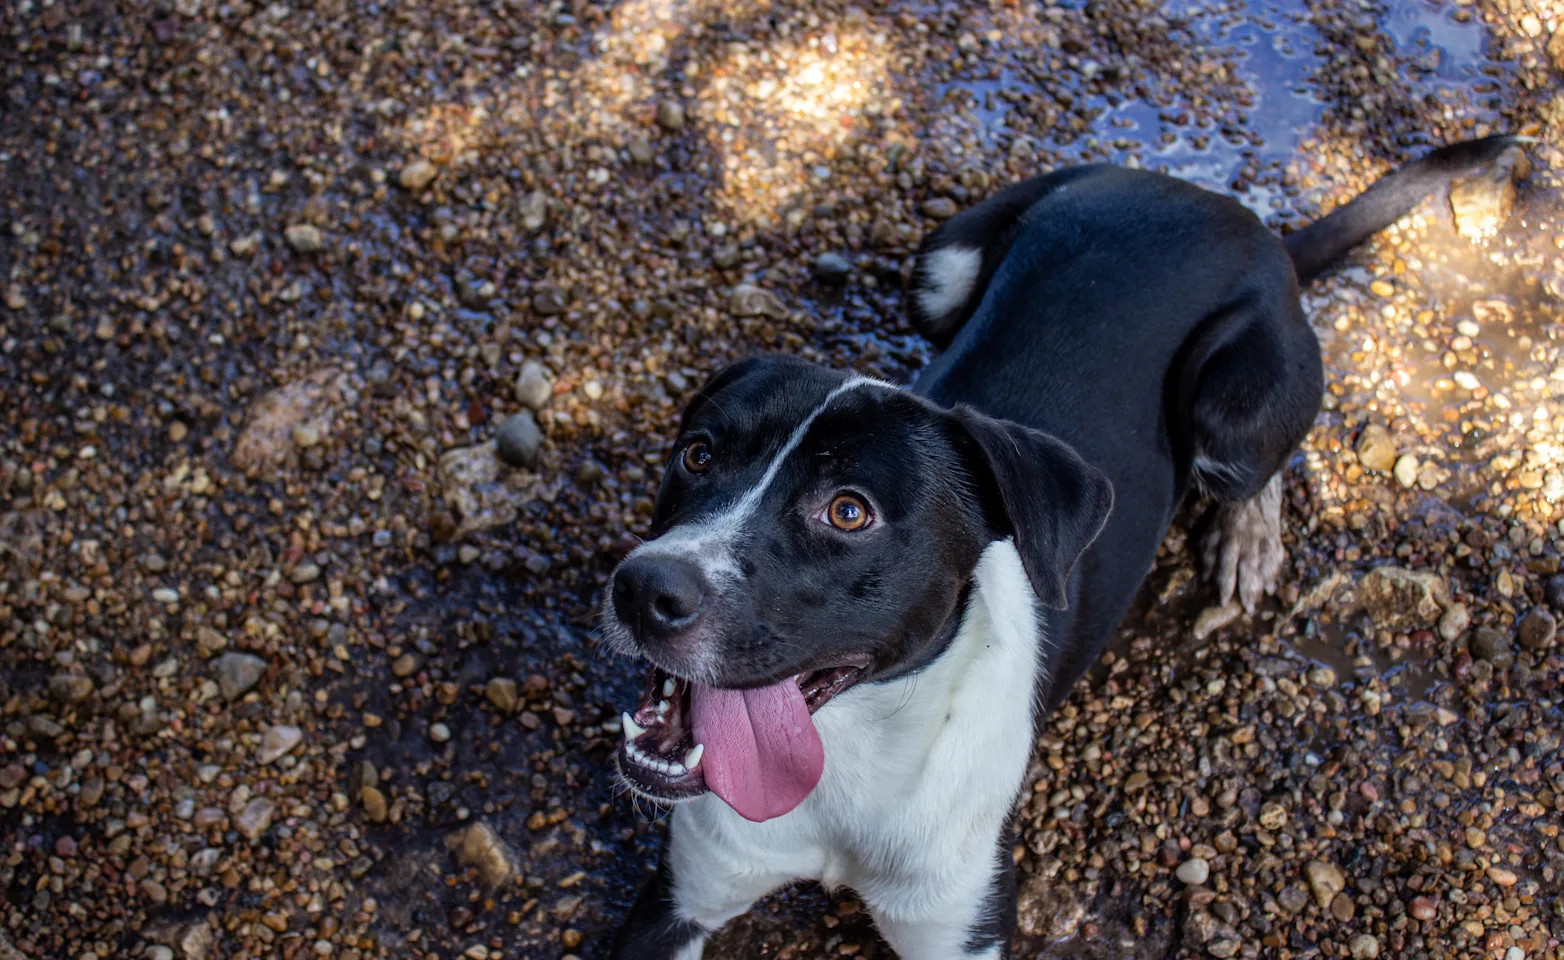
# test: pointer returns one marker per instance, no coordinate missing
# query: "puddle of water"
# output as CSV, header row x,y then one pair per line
x,y
1421,28
1343,649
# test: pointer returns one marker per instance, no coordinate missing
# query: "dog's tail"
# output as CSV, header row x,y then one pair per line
x,y
956,261
1390,198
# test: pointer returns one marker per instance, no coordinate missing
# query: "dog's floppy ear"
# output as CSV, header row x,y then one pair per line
x,y
1050,500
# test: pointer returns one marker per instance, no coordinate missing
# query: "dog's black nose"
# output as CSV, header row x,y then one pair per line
x,y
655,595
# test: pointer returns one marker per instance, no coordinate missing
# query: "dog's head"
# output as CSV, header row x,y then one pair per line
x,y
816,530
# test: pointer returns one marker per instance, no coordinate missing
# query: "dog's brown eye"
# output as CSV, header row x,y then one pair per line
x,y
697,457
847,512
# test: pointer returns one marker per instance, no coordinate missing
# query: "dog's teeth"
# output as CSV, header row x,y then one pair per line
x,y
632,729
663,706
677,769
694,756
667,688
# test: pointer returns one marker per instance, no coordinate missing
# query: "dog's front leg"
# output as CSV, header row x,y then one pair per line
x,y
972,918
703,881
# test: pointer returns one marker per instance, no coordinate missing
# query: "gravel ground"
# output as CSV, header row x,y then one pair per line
x,y
340,344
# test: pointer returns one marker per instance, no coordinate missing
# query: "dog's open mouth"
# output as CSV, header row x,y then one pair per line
x,y
756,749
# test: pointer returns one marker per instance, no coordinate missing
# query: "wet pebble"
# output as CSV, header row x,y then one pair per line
x,y
439,732
417,175
832,268
256,816
533,386
1490,645
518,441
305,238
939,208
1454,622
670,115
1376,451
237,673
70,688
1537,630
1423,908
1325,881
277,742
1193,871
502,692
1364,946
1406,470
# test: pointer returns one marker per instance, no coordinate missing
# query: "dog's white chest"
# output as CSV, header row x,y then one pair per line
x,y
920,773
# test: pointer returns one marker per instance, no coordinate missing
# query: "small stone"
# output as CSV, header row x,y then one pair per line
x,y
670,115
1454,622
153,563
1273,816
70,688
277,742
1502,877
417,175
1342,908
1363,947
1490,645
1537,630
549,301
237,673
641,150
1293,898
1193,872
306,435
404,666
1405,470
502,692
166,595
534,211
304,238
439,732
1322,676
751,301
1423,908
303,573
1375,449
374,804
939,208
1325,880
533,387
479,846
1224,947
518,441
1382,288
255,818
832,268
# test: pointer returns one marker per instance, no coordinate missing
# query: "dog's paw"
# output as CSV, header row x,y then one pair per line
x,y
1242,550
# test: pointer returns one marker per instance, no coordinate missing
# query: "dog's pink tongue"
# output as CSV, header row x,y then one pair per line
x,y
762,754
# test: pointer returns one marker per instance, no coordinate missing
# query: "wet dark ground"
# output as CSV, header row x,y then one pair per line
x,y
154,157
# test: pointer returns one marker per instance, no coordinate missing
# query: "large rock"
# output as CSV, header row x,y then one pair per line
x,y
1400,599
307,406
1376,451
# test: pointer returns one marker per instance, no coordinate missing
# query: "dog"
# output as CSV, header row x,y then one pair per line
x,y
860,599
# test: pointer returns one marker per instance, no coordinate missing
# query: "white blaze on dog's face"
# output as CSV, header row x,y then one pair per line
x,y
814,530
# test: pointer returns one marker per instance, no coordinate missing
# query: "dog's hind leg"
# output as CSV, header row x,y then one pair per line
x,y
1252,386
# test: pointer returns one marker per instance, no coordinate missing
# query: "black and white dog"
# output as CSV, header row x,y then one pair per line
x,y
861,599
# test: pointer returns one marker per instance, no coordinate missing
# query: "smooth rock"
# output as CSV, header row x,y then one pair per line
x,y
1325,881
237,673
1193,871
502,692
304,238
417,175
255,818
533,387
518,441
479,846
374,803
1490,645
1363,947
832,268
277,742
1454,622
1537,630
70,688
747,300
1405,470
670,115
439,732
1376,451
939,208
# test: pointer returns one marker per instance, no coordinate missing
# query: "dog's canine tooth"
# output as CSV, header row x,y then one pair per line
x,y
632,729
667,688
694,756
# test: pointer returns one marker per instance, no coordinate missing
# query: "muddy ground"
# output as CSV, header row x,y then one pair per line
x,y
292,664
